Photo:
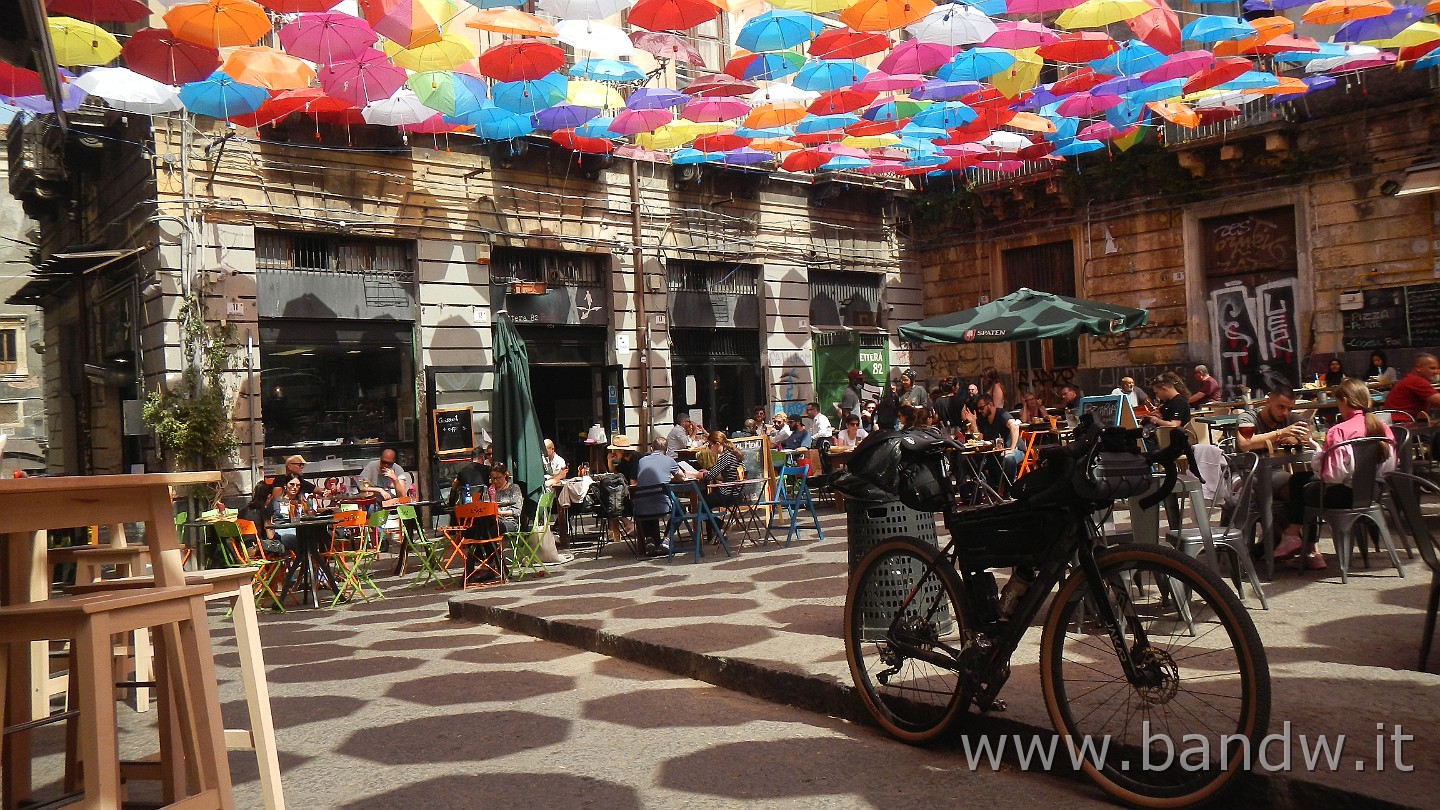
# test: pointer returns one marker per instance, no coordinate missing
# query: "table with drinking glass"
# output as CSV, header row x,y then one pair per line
x,y
1280,458
312,535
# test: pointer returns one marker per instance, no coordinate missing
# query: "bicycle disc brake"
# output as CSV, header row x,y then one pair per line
x,y
1159,675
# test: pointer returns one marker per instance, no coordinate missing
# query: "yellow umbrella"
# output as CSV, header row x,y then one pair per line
x,y
585,93
813,6
870,141
77,42
885,15
1021,75
450,52
1100,13
1417,34
268,68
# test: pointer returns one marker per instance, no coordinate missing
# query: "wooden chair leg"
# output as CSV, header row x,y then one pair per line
x,y
257,699
97,745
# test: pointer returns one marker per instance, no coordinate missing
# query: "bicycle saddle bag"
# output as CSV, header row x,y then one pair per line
x,y
1112,470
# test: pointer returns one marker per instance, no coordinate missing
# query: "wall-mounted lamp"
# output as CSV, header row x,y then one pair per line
x,y
1422,178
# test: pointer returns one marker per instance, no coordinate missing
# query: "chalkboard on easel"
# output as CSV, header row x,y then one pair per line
x,y
1380,323
754,452
454,431
1111,410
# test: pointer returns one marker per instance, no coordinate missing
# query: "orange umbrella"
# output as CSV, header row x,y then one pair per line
x,y
1175,112
511,21
776,145
885,15
1031,122
267,68
1334,12
1288,84
1266,29
780,114
219,23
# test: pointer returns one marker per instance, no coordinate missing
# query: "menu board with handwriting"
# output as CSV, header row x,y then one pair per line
x,y
1380,324
1422,301
454,431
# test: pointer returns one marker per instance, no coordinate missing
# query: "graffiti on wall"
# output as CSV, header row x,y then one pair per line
x,y
1255,332
1124,339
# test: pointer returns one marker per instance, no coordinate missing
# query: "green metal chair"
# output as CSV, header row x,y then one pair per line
x,y
524,545
355,565
427,550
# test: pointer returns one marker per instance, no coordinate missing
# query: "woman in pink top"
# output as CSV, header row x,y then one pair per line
x,y
1337,469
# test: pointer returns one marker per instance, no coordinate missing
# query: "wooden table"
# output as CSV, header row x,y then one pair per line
x,y
29,507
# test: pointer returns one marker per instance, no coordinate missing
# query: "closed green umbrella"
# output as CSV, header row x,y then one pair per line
x,y
1026,315
516,433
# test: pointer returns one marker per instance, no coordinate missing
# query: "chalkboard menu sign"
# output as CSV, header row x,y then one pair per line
x,y
1112,410
1422,301
753,456
454,431
1381,323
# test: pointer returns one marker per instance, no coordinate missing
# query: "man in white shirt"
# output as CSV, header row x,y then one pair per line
x,y
821,434
556,470
679,437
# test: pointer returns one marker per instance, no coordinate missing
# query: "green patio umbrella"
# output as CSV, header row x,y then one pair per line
x,y
514,429
1026,315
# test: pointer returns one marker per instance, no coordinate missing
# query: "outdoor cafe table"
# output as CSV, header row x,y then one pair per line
x,y
310,534
974,456
31,506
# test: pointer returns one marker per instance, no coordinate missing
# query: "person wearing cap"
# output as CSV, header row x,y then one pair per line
x,y
295,471
910,393
849,403
621,458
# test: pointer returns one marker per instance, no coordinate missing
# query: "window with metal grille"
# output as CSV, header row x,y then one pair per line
x,y
716,278
9,348
696,345
277,250
558,267
9,413
844,299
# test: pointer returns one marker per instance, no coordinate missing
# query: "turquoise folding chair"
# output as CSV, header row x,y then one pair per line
x,y
792,496
692,517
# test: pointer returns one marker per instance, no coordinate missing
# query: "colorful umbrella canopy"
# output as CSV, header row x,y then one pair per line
x,y
511,21
268,68
843,43
885,15
125,90
125,11
778,30
1100,13
634,122
219,23
220,96
408,23
520,59
667,46
764,66
447,53
327,38
366,78
529,96
672,15
655,98
77,42
719,85
606,70
448,92
159,54
916,56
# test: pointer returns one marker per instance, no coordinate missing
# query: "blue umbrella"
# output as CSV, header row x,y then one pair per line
x,y
687,156
1160,91
778,30
919,132
764,132
598,128
1216,28
1379,27
945,115
975,65
1251,80
655,98
829,74
529,96
1066,129
840,163
1125,114
494,123
1133,57
221,96
921,161
768,67
515,429
890,111
990,8
1327,50
563,116
606,70
823,123
1427,61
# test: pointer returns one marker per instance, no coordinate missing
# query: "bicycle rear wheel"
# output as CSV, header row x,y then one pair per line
x,y
903,657
1182,735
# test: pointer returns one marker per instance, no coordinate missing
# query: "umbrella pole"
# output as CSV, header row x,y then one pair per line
x,y
642,331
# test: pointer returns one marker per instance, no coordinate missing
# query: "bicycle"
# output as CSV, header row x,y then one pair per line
x,y
1169,651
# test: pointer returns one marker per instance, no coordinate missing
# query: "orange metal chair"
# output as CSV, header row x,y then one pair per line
x,y
478,525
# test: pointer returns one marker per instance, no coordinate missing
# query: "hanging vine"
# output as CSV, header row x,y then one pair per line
x,y
190,420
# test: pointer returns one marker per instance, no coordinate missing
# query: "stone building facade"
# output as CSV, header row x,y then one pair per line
x,y
22,401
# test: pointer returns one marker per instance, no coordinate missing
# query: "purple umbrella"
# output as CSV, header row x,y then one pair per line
x,y
327,38
941,90
1118,86
1379,27
366,78
655,98
745,156
917,56
563,116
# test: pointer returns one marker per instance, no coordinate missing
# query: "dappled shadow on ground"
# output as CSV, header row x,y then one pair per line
x,y
691,590
422,643
472,687
551,790
678,707
710,637
515,652
684,608
344,669
799,571
447,737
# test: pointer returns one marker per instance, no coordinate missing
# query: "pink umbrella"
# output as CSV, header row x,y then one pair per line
x,y
667,46
327,38
1020,34
407,23
917,56
366,78
1103,131
634,122
1182,65
879,81
1039,6
1083,103
714,109
433,125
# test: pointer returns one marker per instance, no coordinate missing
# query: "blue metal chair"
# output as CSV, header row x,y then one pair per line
x,y
682,513
792,496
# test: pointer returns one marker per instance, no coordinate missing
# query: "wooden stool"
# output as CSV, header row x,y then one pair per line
x,y
134,656
232,585
89,622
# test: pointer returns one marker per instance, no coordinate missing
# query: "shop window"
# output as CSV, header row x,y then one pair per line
x,y
10,354
844,299
276,250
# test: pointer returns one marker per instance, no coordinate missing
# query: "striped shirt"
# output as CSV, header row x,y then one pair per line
x,y
725,469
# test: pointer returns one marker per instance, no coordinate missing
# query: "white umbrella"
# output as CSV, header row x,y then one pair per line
x,y
953,24
125,90
402,108
778,92
1227,98
584,9
597,38
1006,141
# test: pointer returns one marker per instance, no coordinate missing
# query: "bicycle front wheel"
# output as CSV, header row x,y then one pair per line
x,y
904,656
1194,715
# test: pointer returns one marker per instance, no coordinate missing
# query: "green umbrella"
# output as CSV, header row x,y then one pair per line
x,y
1026,315
516,433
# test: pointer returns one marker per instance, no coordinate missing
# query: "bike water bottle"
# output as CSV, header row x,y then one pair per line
x,y
1014,589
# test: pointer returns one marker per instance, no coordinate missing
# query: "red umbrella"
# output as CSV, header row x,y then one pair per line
x,y
863,128
720,142
309,100
17,81
667,46
1223,71
580,143
1079,46
126,11
813,138
160,55
841,100
843,43
672,15
520,59
368,77
1214,115
1159,27
719,85
297,6
1082,79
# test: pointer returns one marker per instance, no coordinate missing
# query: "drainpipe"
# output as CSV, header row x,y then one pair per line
x,y
642,318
